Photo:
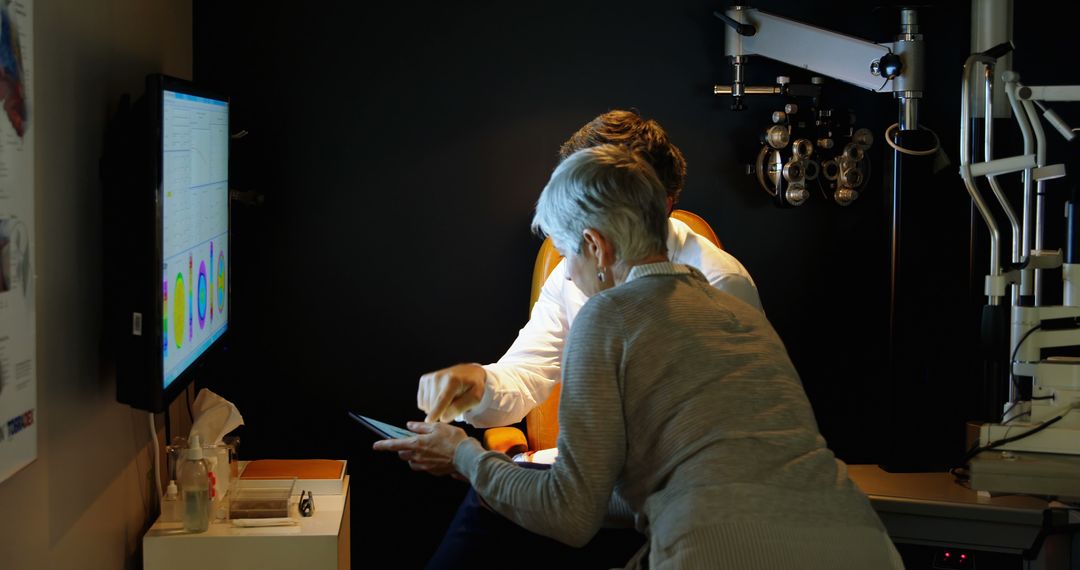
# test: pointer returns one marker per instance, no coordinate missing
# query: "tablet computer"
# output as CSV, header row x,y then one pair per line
x,y
382,429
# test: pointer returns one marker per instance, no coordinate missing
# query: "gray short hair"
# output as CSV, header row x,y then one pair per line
x,y
611,189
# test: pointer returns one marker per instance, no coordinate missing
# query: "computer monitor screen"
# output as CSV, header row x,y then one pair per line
x,y
194,227
167,283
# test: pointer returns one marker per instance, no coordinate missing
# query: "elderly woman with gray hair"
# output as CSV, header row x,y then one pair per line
x,y
677,397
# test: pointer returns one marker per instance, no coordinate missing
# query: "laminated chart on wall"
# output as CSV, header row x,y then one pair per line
x,y
18,382
195,227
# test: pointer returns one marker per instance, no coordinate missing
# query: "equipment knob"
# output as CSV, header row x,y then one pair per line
x,y
796,194
791,108
863,138
845,196
817,80
779,117
777,136
890,66
783,80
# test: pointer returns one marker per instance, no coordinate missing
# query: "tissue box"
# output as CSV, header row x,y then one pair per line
x,y
320,476
261,502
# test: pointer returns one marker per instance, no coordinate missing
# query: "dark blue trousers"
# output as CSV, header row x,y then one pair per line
x,y
481,538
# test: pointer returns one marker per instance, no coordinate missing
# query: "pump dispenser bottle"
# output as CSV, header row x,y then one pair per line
x,y
195,485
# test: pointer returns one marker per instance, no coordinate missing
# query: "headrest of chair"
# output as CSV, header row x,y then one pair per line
x,y
698,224
546,260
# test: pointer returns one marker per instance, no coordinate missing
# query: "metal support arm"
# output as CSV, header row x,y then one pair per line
x,y
842,57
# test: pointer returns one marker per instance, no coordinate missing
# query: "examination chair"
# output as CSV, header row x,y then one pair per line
x,y
542,423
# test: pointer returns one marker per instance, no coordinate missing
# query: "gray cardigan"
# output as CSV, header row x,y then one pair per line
x,y
682,399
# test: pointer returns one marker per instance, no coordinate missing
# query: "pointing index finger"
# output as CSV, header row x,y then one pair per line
x,y
445,398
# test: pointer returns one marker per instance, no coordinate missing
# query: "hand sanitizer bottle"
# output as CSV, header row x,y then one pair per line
x,y
195,485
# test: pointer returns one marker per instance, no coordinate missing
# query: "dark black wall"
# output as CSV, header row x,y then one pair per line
x,y
400,147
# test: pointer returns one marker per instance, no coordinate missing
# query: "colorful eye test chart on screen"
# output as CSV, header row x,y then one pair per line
x,y
195,226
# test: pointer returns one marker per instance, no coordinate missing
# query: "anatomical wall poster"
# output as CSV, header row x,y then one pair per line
x,y
18,385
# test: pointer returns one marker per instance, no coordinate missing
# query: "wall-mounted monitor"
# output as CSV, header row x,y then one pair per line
x,y
167,228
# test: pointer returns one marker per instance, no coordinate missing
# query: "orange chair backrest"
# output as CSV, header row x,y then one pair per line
x,y
542,423
698,224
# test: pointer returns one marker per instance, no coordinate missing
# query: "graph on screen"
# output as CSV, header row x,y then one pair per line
x,y
195,224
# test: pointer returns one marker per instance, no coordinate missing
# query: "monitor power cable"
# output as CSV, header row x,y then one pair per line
x,y
156,458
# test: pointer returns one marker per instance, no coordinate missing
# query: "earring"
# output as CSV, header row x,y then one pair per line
x,y
600,275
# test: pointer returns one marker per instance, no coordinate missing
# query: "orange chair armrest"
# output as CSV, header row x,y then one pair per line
x,y
505,439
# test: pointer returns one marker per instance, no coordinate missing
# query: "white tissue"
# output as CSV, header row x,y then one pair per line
x,y
214,417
